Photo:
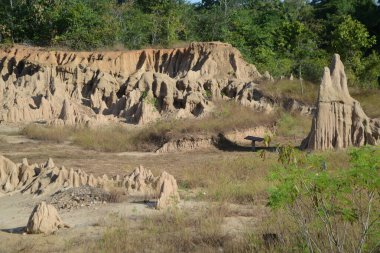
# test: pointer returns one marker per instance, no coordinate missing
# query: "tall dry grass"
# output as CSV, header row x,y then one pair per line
x,y
286,89
47,133
293,125
227,116
369,100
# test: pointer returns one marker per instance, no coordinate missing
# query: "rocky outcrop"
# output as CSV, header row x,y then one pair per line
x,y
69,88
340,121
41,178
140,180
186,144
44,219
164,187
47,178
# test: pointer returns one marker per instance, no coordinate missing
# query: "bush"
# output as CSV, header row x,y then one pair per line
x,y
335,209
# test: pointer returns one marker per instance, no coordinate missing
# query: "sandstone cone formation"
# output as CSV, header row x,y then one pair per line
x,y
44,219
140,180
137,87
168,191
340,121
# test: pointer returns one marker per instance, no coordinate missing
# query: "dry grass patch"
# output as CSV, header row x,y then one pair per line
x,y
227,116
285,89
240,180
293,125
369,100
47,133
196,230
278,233
108,139
171,231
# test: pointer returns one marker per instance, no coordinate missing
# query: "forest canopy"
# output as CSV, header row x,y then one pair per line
x,y
283,37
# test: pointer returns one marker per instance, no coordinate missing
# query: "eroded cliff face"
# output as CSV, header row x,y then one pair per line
x,y
340,121
134,86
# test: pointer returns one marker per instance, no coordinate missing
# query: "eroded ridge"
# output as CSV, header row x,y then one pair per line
x,y
68,88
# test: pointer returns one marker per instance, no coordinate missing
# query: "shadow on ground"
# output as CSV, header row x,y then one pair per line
x,y
17,230
224,144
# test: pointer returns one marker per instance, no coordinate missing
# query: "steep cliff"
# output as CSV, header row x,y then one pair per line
x,y
133,86
340,121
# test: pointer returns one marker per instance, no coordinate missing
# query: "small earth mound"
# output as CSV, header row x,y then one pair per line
x,y
44,219
79,197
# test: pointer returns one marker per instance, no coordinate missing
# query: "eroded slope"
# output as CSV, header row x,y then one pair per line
x,y
134,86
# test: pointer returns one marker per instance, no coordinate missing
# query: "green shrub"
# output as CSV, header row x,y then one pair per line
x,y
336,209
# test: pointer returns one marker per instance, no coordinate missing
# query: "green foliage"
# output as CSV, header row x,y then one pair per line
x,y
152,101
350,36
267,140
208,94
281,37
335,209
287,155
369,76
136,29
86,24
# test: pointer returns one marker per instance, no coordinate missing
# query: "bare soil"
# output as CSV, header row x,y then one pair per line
x,y
89,222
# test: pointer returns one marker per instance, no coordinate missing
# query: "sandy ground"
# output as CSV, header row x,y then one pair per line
x,y
84,222
90,222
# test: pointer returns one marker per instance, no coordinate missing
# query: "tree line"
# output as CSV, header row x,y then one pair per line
x,y
283,37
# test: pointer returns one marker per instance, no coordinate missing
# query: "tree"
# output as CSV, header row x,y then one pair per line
x,y
351,39
86,24
136,28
